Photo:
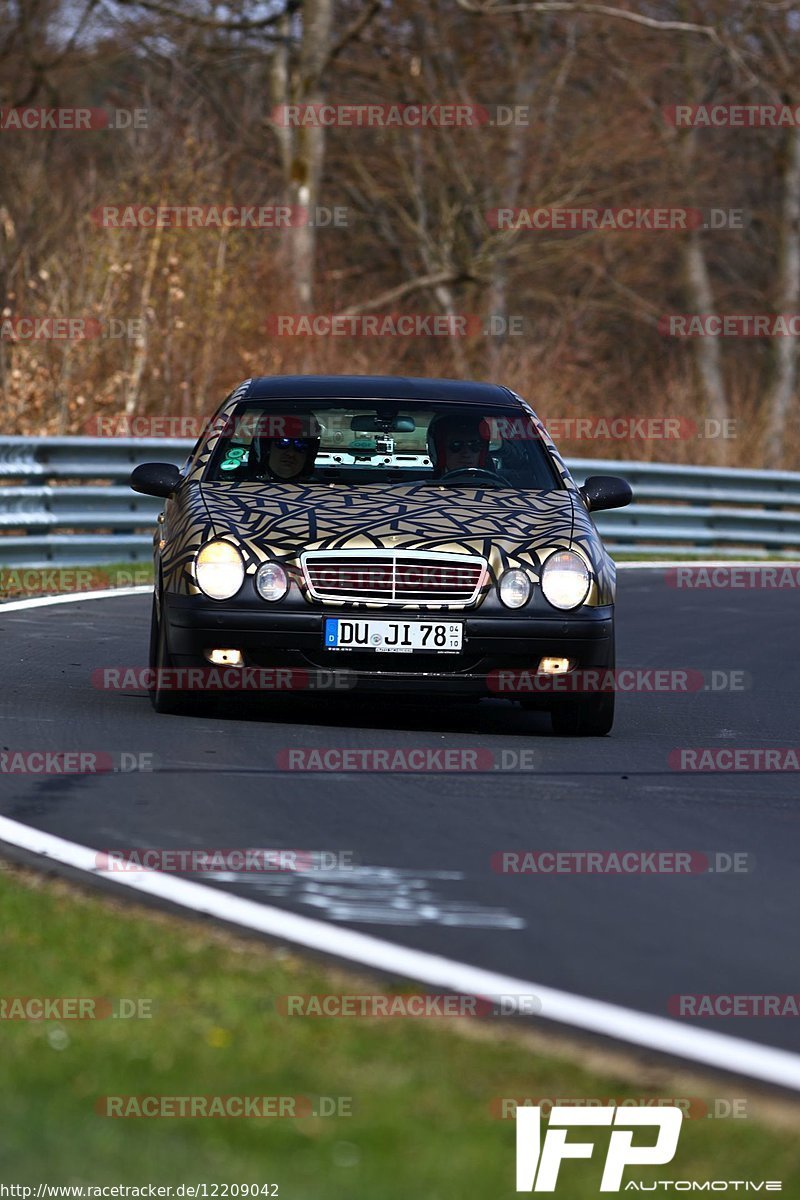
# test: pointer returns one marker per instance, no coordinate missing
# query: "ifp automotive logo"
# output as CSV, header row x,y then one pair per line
x,y
539,1160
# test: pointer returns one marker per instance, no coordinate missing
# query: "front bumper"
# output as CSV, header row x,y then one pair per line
x,y
494,641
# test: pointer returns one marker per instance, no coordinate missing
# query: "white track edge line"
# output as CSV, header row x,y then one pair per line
x,y
640,564
74,597
716,1050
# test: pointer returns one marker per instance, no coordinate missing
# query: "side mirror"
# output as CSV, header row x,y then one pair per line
x,y
155,479
606,491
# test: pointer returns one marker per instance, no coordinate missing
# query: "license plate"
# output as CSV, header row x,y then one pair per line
x,y
394,637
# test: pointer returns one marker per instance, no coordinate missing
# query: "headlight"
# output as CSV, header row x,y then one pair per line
x,y
565,579
515,588
271,582
219,570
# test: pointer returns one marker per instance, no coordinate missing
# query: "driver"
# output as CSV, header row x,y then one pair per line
x,y
458,443
285,459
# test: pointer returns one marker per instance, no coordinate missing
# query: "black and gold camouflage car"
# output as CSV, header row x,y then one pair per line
x,y
416,534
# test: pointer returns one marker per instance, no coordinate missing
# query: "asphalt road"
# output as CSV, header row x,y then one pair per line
x,y
423,844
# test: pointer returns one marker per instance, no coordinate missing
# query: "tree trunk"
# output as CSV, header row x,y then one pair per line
x,y
707,349
305,172
142,343
213,333
783,385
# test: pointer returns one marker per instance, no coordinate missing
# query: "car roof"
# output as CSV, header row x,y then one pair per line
x,y
379,387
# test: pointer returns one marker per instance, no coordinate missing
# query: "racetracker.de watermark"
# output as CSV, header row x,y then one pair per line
x,y
59,581
406,1006
621,862
400,116
729,325
728,1004
629,428
221,679
504,1108
732,116
240,426
246,860
591,219
207,1106
76,762
735,758
70,329
623,428
385,325
32,119
75,1008
740,576
407,759
218,216
644,680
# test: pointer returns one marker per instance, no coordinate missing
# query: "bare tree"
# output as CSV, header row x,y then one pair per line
x,y
298,80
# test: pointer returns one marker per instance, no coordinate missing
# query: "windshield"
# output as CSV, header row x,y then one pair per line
x,y
366,441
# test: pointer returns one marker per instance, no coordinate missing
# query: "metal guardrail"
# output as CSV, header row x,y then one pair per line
x,y
65,502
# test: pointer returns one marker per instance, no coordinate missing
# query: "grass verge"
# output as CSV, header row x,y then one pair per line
x,y
421,1091
17,583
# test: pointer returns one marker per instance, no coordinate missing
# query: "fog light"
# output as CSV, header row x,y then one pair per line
x,y
555,666
225,658
515,588
272,582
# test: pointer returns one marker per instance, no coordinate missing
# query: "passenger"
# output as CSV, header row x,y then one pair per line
x,y
456,443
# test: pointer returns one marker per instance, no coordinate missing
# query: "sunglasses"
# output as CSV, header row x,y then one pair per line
x,y
474,445
285,443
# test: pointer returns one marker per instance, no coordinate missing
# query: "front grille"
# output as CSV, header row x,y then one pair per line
x,y
394,577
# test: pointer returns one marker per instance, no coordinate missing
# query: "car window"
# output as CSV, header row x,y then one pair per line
x,y
355,441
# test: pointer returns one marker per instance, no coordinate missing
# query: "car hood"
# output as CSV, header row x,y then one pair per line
x,y
282,520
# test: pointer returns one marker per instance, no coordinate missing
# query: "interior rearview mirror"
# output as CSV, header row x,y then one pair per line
x,y
378,424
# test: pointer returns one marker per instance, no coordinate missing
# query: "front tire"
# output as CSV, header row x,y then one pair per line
x,y
587,716
163,699
592,717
